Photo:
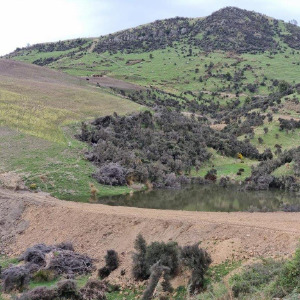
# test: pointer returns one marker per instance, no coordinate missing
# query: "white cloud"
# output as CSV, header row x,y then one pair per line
x,y
33,21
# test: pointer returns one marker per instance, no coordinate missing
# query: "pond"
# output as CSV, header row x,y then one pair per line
x,y
205,198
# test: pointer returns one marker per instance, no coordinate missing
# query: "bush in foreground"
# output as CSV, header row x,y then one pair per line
x,y
198,260
168,259
67,289
112,263
147,256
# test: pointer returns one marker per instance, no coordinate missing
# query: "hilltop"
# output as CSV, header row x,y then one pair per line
x,y
229,29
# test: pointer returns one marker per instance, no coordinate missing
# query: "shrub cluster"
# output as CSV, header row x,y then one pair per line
x,y
67,289
111,264
161,148
261,176
45,263
159,258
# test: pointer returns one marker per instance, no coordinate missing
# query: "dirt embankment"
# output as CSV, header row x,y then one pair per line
x,y
105,81
93,228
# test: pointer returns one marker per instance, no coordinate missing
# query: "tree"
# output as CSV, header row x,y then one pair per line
x,y
198,260
293,22
140,267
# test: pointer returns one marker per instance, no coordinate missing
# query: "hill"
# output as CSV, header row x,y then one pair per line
x,y
39,110
183,54
237,71
229,28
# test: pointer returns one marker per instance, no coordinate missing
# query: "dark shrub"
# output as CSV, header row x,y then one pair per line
x,y
140,269
63,261
111,174
36,254
93,290
66,262
112,263
211,175
146,256
68,289
66,246
166,253
198,260
104,272
15,278
112,260
224,181
40,293
267,154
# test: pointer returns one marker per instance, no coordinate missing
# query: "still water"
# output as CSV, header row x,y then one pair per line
x,y
205,198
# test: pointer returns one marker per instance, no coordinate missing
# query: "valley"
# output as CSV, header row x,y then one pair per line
x,y
151,142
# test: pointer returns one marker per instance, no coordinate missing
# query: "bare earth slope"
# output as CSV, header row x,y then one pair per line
x,y
95,228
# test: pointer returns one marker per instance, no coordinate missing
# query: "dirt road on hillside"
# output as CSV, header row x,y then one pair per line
x,y
95,228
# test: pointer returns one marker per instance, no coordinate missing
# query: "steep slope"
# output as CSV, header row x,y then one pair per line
x,y
233,29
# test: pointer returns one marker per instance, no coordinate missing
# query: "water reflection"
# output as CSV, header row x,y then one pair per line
x,y
205,198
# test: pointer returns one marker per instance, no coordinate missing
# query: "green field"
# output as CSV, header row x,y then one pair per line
x,y
172,69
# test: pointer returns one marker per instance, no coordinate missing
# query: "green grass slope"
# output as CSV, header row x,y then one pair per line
x,y
40,110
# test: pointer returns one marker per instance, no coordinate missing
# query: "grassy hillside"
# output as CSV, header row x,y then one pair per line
x,y
39,110
225,68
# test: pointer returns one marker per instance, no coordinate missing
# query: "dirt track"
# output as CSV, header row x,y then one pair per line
x,y
106,81
94,228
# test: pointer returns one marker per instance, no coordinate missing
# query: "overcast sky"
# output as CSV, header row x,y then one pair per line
x,y
37,21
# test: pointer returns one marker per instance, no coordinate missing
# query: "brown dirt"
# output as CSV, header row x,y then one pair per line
x,y
134,62
95,228
24,71
106,81
12,180
287,117
218,127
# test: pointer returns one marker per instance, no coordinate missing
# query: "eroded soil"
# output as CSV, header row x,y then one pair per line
x,y
29,218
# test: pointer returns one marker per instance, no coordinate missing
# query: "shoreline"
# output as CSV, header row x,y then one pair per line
x,y
95,228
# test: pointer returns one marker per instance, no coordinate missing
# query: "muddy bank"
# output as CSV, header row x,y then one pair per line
x,y
32,218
